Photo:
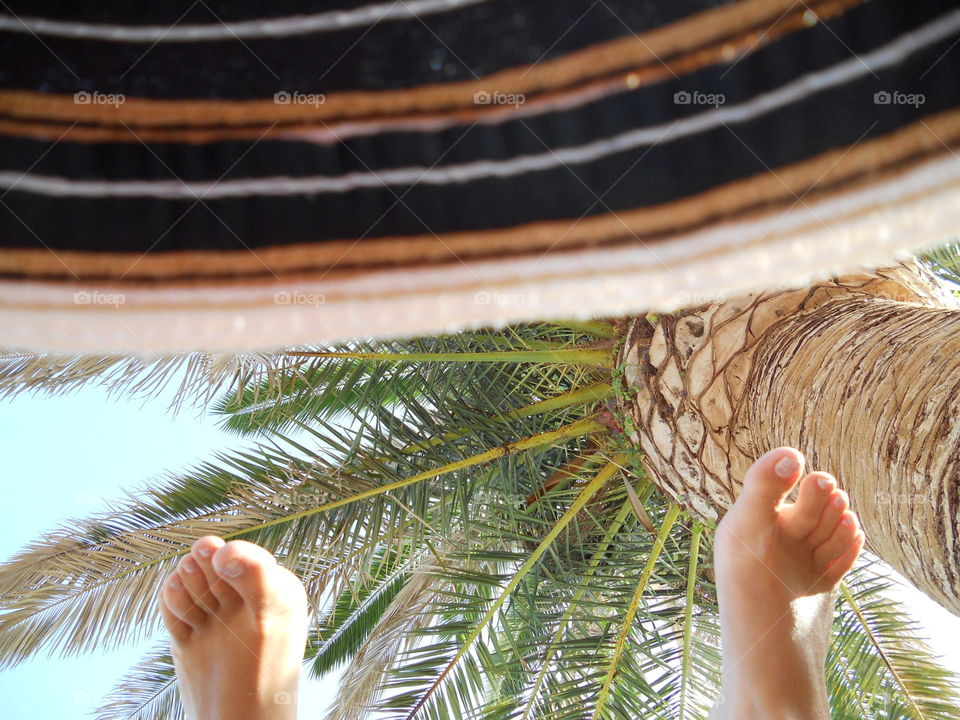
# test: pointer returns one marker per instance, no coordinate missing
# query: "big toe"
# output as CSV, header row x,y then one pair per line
x,y
770,479
254,574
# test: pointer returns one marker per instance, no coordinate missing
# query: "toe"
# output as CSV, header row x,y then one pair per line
x,y
175,626
203,548
196,584
180,604
845,536
202,553
248,569
845,561
770,479
804,515
836,505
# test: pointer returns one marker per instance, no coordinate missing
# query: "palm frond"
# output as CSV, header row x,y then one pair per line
x,y
198,377
362,679
588,492
572,606
879,666
672,514
147,692
944,261
594,357
357,611
355,378
686,659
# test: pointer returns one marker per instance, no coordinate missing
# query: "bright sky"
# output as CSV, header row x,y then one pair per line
x,y
65,456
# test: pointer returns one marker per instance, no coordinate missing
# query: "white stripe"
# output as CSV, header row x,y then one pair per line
x,y
245,29
795,91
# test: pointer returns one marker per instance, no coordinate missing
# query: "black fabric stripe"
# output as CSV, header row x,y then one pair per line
x,y
830,119
861,29
473,41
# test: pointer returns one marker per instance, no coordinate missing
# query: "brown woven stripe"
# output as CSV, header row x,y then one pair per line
x,y
386,292
707,38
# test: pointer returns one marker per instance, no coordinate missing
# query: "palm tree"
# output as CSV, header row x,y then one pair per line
x,y
859,372
488,524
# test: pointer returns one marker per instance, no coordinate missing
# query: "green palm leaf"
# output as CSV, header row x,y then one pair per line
x,y
147,692
879,665
944,261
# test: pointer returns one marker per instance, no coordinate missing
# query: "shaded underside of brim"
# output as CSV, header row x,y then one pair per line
x,y
461,163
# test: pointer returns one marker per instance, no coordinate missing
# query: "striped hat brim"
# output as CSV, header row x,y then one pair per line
x,y
225,181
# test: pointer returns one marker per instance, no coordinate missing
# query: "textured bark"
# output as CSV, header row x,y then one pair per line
x,y
860,372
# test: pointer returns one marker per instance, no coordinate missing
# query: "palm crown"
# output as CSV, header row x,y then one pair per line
x,y
475,534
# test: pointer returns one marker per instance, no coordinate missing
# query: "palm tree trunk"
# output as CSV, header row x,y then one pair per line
x,y
861,373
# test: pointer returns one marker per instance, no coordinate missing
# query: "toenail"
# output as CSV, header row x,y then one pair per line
x,y
233,569
204,551
175,583
848,521
838,501
787,466
823,482
188,565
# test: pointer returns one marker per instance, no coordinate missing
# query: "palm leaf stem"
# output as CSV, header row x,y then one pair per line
x,y
589,490
669,519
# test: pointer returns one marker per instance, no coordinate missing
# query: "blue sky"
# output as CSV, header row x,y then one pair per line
x,y
66,456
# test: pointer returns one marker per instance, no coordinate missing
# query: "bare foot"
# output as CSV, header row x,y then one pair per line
x,y
777,565
238,626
